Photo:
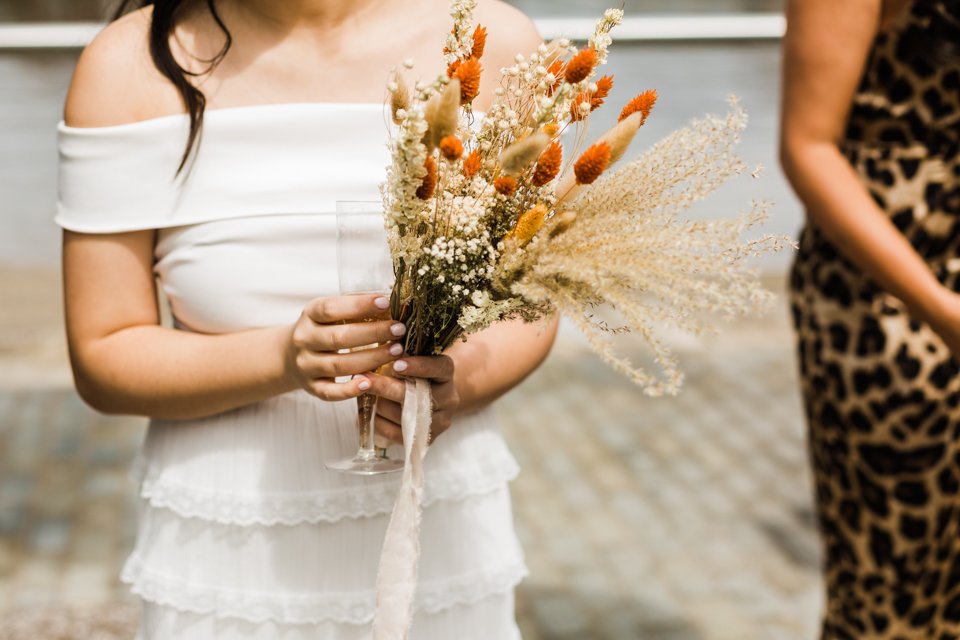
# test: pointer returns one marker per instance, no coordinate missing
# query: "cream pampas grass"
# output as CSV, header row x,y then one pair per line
x,y
630,247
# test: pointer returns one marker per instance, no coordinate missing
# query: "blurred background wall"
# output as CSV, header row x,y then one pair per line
x,y
680,518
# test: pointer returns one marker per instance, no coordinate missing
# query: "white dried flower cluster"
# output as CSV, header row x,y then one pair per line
x,y
460,39
462,256
485,311
601,39
404,176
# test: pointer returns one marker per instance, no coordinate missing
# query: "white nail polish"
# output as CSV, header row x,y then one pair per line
x,y
396,349
399,365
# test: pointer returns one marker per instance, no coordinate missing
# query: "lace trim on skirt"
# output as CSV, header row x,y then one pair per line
x,y
349,608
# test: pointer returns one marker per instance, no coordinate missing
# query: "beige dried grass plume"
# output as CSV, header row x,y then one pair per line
x,y
523,153
442,113
399,100
631,249
620,135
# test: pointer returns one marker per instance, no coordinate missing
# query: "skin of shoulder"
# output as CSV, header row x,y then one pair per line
x,y
115,80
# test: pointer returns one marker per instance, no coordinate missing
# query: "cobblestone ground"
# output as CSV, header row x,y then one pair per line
x,y
671,519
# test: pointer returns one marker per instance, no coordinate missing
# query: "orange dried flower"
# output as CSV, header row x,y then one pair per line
x,y
604,85
581,65
471,165
556,69
469,75
592,163
551,129
595,99
429,184
577,111
479,42
529,224
452,68
505,185
548,166
642,103
451,148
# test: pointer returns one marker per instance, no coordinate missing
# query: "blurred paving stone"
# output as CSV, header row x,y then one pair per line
x,y
86,583
50,537
566,620
10,520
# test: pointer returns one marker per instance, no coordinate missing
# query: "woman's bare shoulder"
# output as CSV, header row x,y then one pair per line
x,y
115,80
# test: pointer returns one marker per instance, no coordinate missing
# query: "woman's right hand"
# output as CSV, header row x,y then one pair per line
x,y
328,325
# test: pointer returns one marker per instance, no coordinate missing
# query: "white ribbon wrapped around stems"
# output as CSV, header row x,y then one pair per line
x,y
400,555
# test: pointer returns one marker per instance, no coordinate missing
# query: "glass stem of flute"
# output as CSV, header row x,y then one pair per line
x,y
366,425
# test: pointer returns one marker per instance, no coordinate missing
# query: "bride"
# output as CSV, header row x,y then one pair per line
x,y
204,146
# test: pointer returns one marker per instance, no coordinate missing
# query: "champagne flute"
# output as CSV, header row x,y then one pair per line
x,y
364,265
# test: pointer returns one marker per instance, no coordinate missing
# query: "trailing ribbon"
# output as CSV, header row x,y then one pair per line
x,y
400,555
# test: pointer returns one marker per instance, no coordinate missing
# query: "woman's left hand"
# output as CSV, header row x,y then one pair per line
x,y
391,389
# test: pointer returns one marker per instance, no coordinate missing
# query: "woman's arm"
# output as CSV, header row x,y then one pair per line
x,y
826,46
124,362
498,359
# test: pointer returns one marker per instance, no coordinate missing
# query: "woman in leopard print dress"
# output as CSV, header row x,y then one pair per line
x,y
871,134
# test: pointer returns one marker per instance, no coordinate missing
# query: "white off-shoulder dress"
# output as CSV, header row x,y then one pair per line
x,y
242,531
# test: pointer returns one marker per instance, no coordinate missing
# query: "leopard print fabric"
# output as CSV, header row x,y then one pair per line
x,y
881,391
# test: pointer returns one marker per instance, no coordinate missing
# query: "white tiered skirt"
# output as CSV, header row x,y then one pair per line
x,y
244,534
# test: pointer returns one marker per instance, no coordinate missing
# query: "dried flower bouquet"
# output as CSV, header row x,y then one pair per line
x,y
489,220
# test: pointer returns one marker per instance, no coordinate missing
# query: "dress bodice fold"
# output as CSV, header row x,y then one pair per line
x,y
251,161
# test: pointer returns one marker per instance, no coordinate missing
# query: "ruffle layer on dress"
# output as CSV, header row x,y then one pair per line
x,y
240,520
489,619
310,573
263,464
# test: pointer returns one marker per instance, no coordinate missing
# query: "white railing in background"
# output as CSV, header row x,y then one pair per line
x,y
756,26
47,35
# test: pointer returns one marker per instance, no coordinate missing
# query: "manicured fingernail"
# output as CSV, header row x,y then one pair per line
x,y
364,385
398,329
396,349
382,303
400,365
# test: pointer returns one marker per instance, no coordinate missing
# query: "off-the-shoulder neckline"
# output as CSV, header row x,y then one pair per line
x,y
228,111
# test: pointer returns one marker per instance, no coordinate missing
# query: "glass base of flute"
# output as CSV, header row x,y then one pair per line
x,y
369,460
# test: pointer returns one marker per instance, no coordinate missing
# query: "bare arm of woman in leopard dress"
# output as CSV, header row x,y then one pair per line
x,y
825,50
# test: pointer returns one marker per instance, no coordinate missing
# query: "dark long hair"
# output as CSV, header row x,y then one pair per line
x,y
162,25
